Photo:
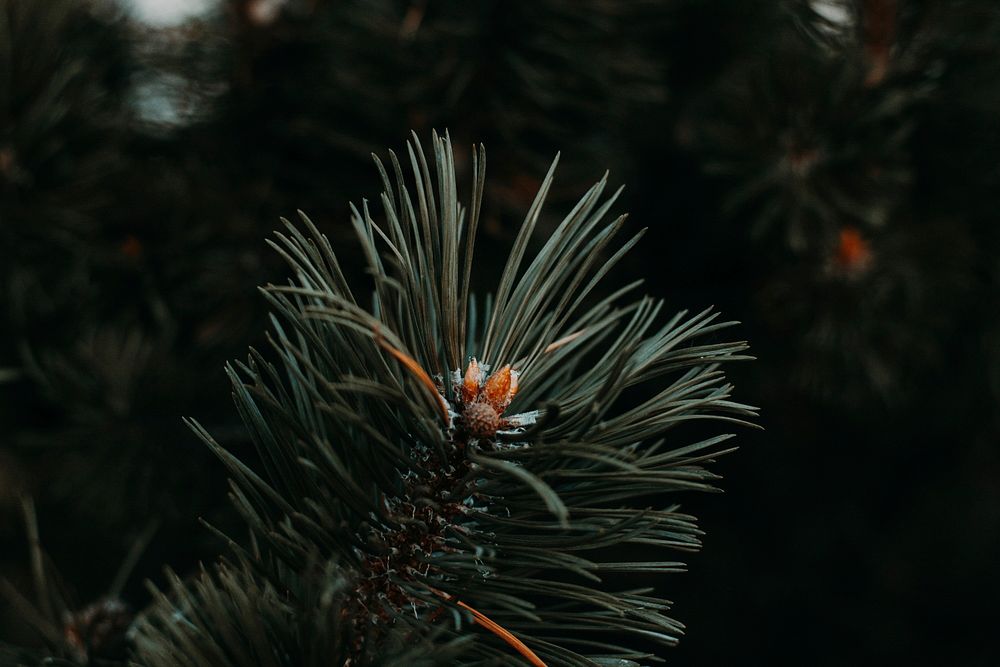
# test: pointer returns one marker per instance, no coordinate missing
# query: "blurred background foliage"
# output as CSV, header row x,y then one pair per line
x,y
826,172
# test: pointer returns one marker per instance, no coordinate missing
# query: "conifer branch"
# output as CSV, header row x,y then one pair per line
x,y
420,507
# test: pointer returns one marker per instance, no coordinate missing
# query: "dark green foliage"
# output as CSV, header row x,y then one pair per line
x,y
818,141
368,452
901,296
61,117
819,149
73,635
825,172
235,616
809,138
490,71
102,323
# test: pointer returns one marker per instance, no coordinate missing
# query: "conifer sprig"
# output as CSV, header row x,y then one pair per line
x,y
476,460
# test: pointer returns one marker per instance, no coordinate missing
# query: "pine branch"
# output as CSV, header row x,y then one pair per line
x,y
461,465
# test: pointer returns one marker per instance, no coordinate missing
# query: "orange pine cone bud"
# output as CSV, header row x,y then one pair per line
x,y
470,386
496,391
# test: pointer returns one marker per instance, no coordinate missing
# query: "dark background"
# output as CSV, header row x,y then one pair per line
x,y
824,172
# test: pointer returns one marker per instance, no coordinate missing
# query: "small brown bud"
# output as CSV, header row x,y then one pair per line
x,y
481,420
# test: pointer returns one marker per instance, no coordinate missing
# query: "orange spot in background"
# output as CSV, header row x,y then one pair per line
x,y
879,20
131,247
853,250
